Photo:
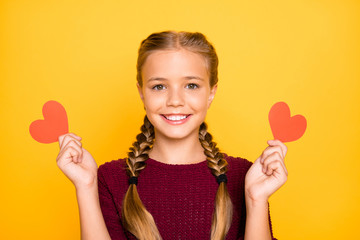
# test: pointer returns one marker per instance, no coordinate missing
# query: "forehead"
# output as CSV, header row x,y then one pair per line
x,y
174,64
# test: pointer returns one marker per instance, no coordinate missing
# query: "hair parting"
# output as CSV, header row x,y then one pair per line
x,y
170,40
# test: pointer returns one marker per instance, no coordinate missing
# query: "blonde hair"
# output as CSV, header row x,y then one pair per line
x,y
136,219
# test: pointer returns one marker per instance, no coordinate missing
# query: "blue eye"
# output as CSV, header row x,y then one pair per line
x,y
192,86
158,87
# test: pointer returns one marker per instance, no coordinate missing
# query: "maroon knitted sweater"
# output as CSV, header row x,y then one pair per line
x,y
179,197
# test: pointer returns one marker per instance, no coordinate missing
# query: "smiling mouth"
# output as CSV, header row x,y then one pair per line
x,y
175,117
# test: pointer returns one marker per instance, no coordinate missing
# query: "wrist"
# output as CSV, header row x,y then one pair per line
x,y
87,188
251,203
253,200
256,207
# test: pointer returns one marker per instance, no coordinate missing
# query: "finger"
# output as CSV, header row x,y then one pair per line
x,y
62,137
70,154
276,168
72,144
60,140
273,158
272,167
270,158
276,142
75,157
76,136
69,137
77,145
270,150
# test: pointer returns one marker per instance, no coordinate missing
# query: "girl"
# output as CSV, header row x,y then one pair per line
x,y
175,183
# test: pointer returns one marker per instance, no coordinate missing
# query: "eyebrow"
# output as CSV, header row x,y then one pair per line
x,y
163,79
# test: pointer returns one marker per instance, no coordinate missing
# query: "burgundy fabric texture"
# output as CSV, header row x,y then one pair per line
x,y
179,197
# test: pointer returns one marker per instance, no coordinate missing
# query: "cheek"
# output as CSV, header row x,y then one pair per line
x,y
198,101
153,102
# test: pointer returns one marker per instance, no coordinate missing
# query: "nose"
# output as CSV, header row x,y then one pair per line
x,y
175,98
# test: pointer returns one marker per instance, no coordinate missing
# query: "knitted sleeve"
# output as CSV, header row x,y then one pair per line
x,y
109,211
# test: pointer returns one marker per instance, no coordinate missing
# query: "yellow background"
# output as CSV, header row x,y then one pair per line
x,y
83,54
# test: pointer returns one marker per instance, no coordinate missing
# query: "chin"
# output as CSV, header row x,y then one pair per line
x,y
176,134
172,135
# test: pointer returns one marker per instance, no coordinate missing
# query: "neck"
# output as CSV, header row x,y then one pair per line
x,y
177,151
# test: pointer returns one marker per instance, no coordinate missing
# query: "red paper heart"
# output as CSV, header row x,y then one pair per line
x,y
55,123
284,127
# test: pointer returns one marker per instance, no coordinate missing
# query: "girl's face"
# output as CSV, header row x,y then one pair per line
x,y
176,92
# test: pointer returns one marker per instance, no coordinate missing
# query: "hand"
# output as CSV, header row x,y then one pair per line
x,y
267,174
76,162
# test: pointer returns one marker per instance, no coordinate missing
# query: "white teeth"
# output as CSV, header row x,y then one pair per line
x,y
175,118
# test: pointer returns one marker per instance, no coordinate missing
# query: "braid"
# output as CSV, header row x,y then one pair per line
x,y
222,216
136,219
139,152
215,159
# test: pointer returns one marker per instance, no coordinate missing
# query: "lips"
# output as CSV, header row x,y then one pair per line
x,y
176,118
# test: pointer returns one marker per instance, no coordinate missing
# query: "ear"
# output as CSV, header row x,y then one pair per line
x,y
212,95
140,91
